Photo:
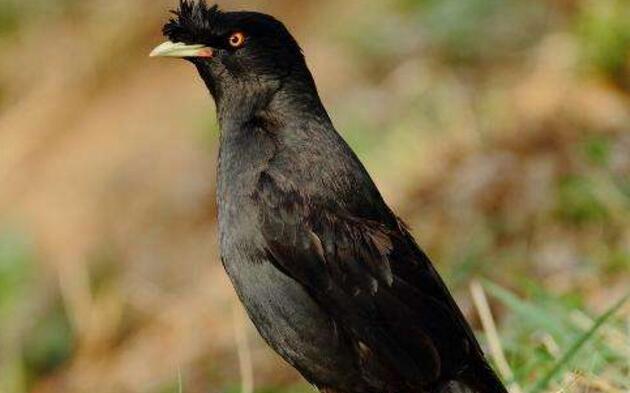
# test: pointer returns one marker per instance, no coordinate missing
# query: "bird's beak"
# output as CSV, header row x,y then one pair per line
x,y
179,49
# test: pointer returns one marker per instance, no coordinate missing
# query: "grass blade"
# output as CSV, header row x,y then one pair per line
x,y
533,314
576,346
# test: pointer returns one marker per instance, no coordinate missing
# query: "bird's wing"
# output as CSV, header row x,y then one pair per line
x,y
371,279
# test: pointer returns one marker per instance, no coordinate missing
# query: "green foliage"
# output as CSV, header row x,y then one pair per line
x,y
15,272
9,17
379,40
16,13
598,149
174,387
476,31
50,342
3,94
47,342
572,351
604,31
541,340
363,137
16,269
577,201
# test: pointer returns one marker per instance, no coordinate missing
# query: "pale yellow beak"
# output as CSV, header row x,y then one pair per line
x,y
179,49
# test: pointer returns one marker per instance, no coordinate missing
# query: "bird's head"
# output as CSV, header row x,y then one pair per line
x,y
231,50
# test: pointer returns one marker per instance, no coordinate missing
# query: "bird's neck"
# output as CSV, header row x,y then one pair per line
x,y
255,122
287,99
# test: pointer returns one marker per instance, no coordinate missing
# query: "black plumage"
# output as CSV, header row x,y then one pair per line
x,y
331,278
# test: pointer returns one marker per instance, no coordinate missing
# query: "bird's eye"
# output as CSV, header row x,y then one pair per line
x,y
237,39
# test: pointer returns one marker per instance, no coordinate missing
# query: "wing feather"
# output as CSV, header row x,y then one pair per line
x,y
357,269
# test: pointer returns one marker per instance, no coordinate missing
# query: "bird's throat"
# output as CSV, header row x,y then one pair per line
x,y
241,99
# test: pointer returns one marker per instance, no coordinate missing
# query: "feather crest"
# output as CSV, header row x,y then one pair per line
x,y
193,20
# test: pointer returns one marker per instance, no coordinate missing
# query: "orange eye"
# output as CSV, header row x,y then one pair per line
x,y
237,39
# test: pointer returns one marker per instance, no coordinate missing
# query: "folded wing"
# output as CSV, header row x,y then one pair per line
x,y
374,282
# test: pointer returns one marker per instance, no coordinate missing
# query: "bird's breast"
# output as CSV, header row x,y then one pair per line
x,y
291,322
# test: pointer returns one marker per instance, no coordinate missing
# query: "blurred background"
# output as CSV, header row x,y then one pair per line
x,y
499,130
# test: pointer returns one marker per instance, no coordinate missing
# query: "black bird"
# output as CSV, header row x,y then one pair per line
x,y
331,278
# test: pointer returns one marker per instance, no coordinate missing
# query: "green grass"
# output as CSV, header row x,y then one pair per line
x,y
15,283
35,342
603,28
547,319
577,345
